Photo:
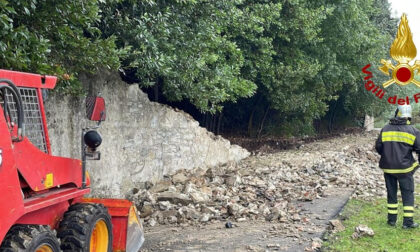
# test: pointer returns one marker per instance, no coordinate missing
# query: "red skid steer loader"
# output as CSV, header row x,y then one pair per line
x,y
42,203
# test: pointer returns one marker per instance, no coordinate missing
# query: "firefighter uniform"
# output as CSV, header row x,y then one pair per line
x,y
395,144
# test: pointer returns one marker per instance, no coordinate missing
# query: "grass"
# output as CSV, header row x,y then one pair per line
x,y
374,215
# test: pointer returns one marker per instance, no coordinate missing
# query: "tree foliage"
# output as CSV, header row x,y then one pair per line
x,y
182,47
363,31
54,37
278,65
319,50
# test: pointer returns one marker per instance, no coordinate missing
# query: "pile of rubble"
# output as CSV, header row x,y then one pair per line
x,y
263,186
362,231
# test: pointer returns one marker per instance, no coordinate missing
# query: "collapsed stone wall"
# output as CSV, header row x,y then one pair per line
x,y
142,140
369,124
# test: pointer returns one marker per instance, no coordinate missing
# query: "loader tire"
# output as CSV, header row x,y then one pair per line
x,y
86,227
30,238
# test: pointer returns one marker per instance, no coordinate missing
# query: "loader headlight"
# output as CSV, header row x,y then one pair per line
x,y
92,139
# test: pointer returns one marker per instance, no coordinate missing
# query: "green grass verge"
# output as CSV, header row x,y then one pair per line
x,y
374,215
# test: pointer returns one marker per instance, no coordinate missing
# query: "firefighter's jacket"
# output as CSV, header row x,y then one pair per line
x,y
396,144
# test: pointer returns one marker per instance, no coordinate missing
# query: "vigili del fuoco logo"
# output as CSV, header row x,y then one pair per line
x,y
403,51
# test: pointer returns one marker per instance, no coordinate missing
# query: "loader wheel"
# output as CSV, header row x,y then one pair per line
x,y
86,227
30,238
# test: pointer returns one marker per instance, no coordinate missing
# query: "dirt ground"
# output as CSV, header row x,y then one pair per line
x,y
301,234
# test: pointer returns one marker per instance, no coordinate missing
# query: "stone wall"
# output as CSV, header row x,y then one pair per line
x,y
142,140
369,124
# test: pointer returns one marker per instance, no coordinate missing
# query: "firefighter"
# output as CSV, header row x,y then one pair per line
x,y
395,144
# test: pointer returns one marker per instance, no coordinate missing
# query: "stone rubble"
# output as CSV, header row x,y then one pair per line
x,y
264,186
361,231
336,226
315,246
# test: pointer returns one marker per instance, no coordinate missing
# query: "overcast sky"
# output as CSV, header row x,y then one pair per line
x,y
412,9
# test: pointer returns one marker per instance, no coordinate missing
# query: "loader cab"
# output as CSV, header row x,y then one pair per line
x,y
22,105
30,88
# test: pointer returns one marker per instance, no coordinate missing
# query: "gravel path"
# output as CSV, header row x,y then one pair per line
x,y
253,235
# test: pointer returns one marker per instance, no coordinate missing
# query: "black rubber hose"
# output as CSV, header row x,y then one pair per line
x,y
18,99
18,104
4,95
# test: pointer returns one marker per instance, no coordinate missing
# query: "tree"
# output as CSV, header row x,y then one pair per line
x,y
357,33
309,67
181,48
278,42
54,37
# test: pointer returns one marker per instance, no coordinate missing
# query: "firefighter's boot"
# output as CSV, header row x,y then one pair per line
x,y
409,223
